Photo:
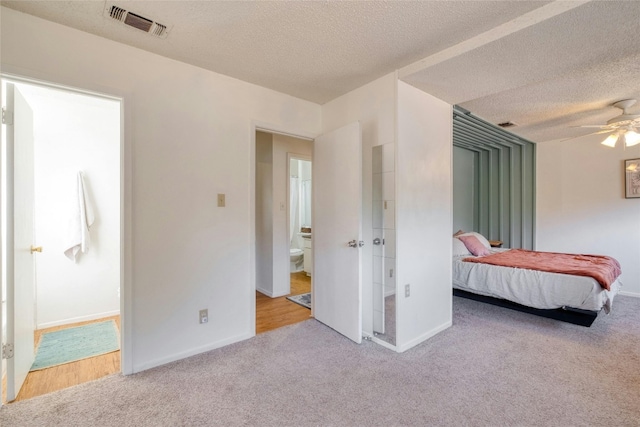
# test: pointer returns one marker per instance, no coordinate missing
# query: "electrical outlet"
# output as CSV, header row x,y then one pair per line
x,y
204,316
407,290
221,201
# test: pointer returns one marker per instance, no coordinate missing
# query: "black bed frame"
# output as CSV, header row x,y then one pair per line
x,y
571,315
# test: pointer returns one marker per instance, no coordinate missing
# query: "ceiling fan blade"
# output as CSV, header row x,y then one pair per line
x,y
592,133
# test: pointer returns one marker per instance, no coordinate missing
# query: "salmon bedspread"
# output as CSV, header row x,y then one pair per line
x,y
602,268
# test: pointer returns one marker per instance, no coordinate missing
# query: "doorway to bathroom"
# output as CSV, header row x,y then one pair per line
x,y
337,229
300,236
283,230
300,231
62,190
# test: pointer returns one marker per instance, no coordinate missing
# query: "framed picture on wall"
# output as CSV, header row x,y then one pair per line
x,y
632,178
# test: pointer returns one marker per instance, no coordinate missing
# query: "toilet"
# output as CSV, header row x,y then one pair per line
x,y
296,260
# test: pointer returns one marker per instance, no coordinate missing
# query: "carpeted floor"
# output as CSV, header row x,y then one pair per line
x,y
493,367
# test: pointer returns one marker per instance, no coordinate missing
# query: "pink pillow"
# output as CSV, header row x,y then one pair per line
x,y
474,245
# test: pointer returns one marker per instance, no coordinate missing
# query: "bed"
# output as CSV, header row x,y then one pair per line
x,y
566,297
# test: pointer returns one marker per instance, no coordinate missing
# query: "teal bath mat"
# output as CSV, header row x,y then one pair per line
x,y
77,343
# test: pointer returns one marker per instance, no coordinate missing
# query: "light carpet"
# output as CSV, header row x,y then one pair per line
x,y
493,367
76,343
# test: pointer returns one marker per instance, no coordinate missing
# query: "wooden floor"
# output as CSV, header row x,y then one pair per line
x,y
70,374
273,313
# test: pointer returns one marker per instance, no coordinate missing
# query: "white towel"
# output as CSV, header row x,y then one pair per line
x,y
80,221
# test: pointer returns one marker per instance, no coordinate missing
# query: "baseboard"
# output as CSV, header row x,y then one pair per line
x,y
271,294
414,342
192,352
78,319
265,292
629,294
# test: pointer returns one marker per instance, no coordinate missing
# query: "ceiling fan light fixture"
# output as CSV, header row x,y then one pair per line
x,y
631,138
611,140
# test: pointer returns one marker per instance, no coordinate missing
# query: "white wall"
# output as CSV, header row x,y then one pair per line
x,y
75,132
580,204
188,136
423,215
373,105
264,212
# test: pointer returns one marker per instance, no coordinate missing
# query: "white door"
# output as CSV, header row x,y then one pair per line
x,y
20,259
337,221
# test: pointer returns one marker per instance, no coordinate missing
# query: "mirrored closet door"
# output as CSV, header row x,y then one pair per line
x,y
384,243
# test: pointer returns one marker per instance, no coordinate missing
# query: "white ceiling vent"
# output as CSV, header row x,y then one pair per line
x,y
136,21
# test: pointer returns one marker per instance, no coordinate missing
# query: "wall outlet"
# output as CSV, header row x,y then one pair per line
x,y
407,290
204,316
221,201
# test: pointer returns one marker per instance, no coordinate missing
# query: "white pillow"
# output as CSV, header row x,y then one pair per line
x,y
480,237
459,249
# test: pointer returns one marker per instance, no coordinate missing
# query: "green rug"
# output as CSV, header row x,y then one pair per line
x,y
72,344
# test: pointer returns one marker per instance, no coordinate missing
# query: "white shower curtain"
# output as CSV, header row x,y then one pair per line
x,y
293,211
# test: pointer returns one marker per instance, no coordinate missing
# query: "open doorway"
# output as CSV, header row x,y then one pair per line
x,y
336,231
74,170
300,231
283,230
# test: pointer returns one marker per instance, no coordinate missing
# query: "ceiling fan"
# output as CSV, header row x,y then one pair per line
x,y
625,125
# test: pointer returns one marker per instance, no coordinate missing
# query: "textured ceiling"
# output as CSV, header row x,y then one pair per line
x,y
563,72
546,66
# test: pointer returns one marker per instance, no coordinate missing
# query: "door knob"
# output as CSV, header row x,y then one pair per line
x,y
377,241
355,243
36,249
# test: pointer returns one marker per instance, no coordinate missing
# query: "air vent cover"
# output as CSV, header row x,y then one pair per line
x,y
136,21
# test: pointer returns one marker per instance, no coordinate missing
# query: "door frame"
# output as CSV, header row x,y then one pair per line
x,y
273,129
126,175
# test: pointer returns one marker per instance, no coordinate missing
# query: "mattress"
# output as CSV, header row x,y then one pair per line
x,y
537,289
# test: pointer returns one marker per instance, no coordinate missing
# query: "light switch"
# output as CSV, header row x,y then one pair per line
x,y
221,200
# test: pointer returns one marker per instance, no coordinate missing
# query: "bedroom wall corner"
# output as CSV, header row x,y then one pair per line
x,y
423,215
